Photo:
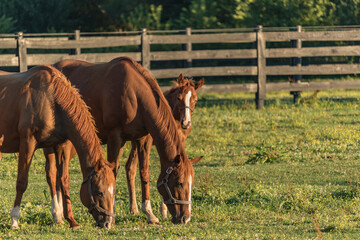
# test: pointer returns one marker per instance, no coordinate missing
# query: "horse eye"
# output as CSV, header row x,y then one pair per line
x,y
179,184
100,194
179,98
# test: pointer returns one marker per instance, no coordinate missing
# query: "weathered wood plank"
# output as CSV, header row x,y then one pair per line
x,y
7,43
330,69
277,86
313,52
313,36
204,54
311,86
205,71
38,59
217,88
83,43
7,60
203,38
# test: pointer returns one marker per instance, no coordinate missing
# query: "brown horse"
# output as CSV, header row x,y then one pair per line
x,y
182,99
42,109
127,104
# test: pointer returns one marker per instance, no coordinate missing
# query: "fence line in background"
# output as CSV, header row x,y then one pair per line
x,y
143,40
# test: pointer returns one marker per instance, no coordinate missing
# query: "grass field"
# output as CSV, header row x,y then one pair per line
x,y
285,172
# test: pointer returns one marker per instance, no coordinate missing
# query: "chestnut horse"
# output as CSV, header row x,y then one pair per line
x,y
42,109
182,99
127,105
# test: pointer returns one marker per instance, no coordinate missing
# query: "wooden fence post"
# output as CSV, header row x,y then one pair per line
x,y
296,62
188,47
261,65
21,52
77,37
145,49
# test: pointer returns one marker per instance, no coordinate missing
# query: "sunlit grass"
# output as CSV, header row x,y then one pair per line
x,y
266,174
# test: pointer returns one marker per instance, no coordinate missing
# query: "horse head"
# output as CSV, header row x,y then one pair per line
x,y
97,194
175,186
187,99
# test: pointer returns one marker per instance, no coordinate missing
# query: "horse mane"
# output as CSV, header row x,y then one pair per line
x,y
71,102
165,120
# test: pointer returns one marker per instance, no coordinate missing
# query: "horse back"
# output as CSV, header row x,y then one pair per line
x,y
112,90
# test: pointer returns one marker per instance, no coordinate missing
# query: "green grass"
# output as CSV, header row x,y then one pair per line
x,y
266,174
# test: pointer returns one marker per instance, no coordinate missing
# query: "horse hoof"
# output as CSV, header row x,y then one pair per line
x,y
75,227
58,221
153,220
134,211
14,227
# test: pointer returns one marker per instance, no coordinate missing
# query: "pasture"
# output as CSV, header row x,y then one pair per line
x,y
285,172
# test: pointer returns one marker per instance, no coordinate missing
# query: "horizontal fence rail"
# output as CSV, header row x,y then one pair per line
x,y
242,52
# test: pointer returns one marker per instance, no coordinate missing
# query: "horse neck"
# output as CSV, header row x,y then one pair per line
x,y
162,127
78,122
171,97
89,154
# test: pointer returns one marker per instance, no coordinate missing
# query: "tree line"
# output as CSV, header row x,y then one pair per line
x,y
126,15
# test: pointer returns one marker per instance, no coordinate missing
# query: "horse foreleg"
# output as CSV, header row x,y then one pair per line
x,y
64,154
51,177
163,210
26,151
130,168
114,148
144,148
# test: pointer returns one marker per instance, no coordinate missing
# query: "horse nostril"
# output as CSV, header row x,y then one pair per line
x,y
107,225
185,219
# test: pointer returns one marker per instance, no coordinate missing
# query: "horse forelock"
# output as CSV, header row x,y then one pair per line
x,y
70,100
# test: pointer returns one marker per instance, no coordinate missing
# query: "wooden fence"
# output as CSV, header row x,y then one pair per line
x,y
29,51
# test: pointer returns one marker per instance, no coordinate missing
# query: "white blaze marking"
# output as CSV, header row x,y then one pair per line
x,y
187,104
111,190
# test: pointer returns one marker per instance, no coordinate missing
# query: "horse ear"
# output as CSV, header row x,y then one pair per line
x,y
195,160
180,79
99,165
199,84
1,140
112,165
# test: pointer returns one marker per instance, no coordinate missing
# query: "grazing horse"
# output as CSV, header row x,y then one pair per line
x,y
42,109
128,104
182,99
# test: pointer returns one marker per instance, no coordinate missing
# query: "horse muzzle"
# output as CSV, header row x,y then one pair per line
x,y
106,224
181,220
185,124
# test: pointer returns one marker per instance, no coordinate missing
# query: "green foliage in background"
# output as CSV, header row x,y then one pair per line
x,y
114,15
